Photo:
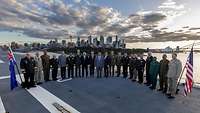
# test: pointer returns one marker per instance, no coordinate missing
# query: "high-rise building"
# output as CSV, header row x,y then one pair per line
x,y
64,43
117,42
109,40
95,41
56,40
116,38
70,37
101,40
83,43
78,42
90,40
123,43
177,48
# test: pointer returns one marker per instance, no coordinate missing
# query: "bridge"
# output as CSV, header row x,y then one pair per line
x,y
188,47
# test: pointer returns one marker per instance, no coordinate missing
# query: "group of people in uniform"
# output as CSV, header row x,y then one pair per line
x,y
36,69
168,72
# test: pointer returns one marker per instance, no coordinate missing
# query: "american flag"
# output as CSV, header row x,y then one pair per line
x,y
189,74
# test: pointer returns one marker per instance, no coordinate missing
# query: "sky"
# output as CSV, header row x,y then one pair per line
x,y
137,21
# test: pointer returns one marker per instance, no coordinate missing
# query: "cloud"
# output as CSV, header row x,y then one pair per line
x,y
172,10
77,1
163,37
35,17
194,28
171,4
58,18
154,17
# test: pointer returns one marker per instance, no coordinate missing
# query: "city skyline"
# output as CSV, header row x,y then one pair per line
x,y
137,21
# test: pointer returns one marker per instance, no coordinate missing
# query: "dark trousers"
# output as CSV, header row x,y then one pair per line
x,y
71,71
125,71
140,76
109,70
84,69
92,70
46,72
118,71
106,73
148,77
78,71
131,72
29,79
154,81
63,72
99,72
54,73
163,83
112,70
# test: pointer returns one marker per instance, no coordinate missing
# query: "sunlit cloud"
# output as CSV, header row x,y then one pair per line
x,y
172,10
171,4
59,19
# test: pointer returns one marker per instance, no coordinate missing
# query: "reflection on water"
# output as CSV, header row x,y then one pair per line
x,y
161,45
183,58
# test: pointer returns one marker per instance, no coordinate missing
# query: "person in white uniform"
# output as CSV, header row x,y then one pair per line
x,y
175,68
38,69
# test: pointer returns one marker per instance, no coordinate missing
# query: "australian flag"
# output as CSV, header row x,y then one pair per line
x,y
12,63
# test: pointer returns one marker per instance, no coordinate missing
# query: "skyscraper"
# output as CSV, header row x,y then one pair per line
x,y
101,40
122,43
90,39
78,42
116,38
95,41
116,43
109,40
64,43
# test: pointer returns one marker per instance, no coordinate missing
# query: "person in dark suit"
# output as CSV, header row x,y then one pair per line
x,y
84,63
70,63
125,62
27,65
132,67
46,65
78,64
62,60
107,63
148,62
91,63
164,66
119,64
54,67
113,63
99,63
140,68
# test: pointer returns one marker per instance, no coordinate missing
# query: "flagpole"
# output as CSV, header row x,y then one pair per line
x,y
181,75
180,79
16,64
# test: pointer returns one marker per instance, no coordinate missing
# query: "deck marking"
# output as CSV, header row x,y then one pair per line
x,y
47,99
60,80
4,77
1,61
2,108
